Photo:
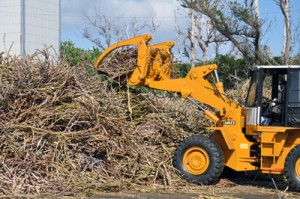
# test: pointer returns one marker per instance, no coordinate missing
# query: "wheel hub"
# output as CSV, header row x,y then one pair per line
x,y
297,168
196,160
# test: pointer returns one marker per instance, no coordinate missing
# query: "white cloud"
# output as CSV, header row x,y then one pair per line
x,y
162,11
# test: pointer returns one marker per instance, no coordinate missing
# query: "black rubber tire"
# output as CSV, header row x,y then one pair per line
x,y
290,170
216,159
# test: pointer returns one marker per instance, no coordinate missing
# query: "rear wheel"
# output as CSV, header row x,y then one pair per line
x,y
199,159
292,168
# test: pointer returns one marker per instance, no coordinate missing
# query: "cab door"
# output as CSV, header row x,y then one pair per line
x,y
292,109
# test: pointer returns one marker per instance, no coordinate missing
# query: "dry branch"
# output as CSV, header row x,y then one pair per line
x,y
66,133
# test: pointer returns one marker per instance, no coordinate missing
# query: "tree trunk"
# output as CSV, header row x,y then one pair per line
x,y
205,47
205,51
193,43
285,9
257,25
203,38
217,48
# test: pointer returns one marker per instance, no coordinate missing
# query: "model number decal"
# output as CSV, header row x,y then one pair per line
x,y
228,122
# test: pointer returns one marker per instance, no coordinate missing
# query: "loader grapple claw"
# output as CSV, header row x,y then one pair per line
x,y
139,63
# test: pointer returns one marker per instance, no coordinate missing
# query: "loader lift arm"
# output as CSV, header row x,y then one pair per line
x,y
156,74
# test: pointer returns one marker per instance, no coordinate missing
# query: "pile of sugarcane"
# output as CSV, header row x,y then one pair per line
x,y
65,132
120,66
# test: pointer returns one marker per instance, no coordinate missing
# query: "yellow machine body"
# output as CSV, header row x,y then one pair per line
x,y
233,135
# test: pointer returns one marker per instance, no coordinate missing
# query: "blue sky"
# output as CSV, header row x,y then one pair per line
x,y
271,13
163,12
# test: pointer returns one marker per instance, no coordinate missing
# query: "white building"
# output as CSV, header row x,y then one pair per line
x,y
28,25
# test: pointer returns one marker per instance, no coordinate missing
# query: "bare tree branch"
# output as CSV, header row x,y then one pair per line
x,y
103,30
235,21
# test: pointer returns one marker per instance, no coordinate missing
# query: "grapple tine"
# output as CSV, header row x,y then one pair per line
x,y
152,61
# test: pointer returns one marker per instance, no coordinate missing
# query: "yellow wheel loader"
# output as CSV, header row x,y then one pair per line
x,y
263,135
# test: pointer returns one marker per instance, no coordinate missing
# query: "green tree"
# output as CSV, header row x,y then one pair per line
x,y
74,55
232,70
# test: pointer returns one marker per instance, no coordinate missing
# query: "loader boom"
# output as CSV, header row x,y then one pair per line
x,y
156,74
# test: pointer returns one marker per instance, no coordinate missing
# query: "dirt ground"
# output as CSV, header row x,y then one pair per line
x,y
244,185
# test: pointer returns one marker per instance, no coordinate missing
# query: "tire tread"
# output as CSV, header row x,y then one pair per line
x,y
217,160
289,168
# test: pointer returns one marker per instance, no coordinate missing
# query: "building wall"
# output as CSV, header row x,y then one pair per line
x,y
42,25
30,25
10,26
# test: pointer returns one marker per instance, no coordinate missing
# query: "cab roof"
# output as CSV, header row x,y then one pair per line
x,y
278,66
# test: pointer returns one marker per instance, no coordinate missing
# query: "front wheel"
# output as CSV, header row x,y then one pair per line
x,y
292,168
199,159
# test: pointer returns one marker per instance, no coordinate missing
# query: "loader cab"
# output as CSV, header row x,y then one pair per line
x,y
274,96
